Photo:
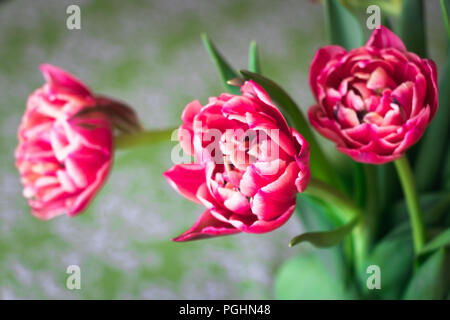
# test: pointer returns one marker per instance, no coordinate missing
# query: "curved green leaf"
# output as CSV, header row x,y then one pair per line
x,y
305,277
253,58
316,214
442,240
320,167
324,239
342,27
394,255
445,7
430,280
411,26
224,68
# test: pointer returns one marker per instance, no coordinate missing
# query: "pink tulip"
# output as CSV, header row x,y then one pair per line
x,y
374,102
65,145
249,164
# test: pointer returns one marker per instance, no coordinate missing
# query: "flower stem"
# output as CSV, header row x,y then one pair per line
x,y
412,200
347,211
142,138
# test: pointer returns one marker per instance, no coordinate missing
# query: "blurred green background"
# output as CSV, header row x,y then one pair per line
x,y
149,54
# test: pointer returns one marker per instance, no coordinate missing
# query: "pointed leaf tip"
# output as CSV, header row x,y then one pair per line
x,y
253,58
225,70
324,239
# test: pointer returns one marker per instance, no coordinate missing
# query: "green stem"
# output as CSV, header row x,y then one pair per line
x,y
143,138
412,200
348,211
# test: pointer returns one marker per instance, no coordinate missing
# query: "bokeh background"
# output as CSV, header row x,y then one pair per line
x,y
147,53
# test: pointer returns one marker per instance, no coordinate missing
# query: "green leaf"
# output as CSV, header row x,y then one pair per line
x,y
305,277
342,27
432,153
324,239
253,58
430,281
411,26
445,7
320,167
316,214
442,240
224,68
394,255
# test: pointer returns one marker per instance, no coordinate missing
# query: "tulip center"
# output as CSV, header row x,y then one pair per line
x,y
235,146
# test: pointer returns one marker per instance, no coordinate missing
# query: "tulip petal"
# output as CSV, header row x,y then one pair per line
x,y
347,117
414,128
190,111
259,175
368,157
187,179
61,80
82,200
382,38
321,59
274,199
264,104
379,79
234,201
262,226
327,127
206,227
302,160
262,122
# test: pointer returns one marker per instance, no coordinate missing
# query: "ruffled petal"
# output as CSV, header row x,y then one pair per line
x,y
320,60
382,38
59,80
275,198
187,179
207,226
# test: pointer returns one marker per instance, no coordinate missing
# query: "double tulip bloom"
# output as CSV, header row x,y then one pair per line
x,y
374,102
250,164
65,146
